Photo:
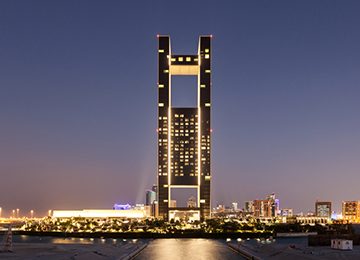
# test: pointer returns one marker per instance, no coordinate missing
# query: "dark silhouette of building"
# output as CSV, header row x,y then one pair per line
x,y
184,133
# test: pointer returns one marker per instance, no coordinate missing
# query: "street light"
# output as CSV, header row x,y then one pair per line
x,y
13,213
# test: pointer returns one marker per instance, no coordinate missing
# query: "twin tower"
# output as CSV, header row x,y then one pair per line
x,y
184,133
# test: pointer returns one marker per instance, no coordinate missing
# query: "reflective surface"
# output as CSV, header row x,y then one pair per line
x,y
193,249
71,240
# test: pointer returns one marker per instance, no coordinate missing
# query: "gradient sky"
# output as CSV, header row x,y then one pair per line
x,y
78,99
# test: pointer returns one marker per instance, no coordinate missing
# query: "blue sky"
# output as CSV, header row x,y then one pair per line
x,y
78,99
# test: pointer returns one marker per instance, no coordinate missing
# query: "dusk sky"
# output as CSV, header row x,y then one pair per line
x,y
78,99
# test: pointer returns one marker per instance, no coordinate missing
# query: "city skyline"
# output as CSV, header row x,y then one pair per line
x,y
78,96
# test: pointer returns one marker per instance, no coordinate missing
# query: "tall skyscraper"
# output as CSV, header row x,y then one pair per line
x,y
184,133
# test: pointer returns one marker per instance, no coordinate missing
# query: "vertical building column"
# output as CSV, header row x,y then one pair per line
x,y
164,124
204,105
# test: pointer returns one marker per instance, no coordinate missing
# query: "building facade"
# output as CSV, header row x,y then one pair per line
x,y
267,208
184,133
323,209
351,211
150,197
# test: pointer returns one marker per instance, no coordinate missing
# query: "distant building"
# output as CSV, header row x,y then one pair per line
x,y
234,206
154,188
351,211
219,208
312,220
173,203
191,203
249,206
323,209
287,212
268,208
150,197
140,211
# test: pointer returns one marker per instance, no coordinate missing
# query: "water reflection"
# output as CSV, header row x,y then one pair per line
x,y
66,240
187,249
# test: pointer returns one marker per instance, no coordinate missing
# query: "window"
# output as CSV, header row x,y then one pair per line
x,y
207,56
188,58
180,59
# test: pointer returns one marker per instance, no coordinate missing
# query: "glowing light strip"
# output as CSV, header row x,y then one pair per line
x,y
184,186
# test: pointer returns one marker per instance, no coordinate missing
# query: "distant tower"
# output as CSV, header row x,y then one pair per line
x,y
184,133
191,203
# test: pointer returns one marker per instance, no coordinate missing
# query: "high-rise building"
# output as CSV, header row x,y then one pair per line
x,y
234,206
323,209
268,208
351,211
184,133
150,197
249,206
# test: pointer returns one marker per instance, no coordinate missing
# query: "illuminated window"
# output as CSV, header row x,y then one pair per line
x,y
207,56
161,104
188,58
180,58
202,86
173,59
207,50
161,85
207,104
207,71
161,50
166,71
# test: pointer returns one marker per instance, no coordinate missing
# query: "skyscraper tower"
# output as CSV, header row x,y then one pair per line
x,y
184,133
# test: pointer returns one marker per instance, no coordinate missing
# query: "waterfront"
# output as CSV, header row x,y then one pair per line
x,y
195,249
36,247
45,247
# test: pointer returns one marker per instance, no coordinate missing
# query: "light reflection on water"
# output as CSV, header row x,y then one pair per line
x,y
207,249
66,240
